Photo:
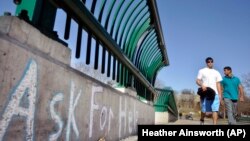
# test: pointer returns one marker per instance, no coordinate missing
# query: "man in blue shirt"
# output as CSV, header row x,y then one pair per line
x,y
232,90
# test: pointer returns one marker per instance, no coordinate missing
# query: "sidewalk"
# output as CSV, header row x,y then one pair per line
x,y
131,138
208,121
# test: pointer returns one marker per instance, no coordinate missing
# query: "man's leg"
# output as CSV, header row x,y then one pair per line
x,y
235,110
202,118
215,108
215,117
203,110
230,113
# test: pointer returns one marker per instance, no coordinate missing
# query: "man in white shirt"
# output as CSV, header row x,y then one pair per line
x,y
209,77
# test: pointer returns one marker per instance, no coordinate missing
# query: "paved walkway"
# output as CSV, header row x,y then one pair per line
x,y
131,138
208,121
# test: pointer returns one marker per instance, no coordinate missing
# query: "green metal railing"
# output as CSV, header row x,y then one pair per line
x,y
126,34
165,102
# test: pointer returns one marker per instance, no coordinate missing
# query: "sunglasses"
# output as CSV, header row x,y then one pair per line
x,y
209,61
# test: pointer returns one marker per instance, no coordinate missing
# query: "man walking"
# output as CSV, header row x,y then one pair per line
x,y
208,78
232,90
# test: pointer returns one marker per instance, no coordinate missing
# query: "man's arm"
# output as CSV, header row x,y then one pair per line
x,y
219,88
241,91
199,83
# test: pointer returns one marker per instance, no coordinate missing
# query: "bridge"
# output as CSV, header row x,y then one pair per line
x,y
44,97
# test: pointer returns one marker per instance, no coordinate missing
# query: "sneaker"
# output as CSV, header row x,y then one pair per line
x,y
237,117
201,121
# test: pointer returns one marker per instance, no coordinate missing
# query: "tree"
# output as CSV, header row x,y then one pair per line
x,y
186,101
246,83
159,84
187,91
90,71
244,107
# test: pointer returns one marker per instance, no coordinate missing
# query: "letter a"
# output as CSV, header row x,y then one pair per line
x,y
27,85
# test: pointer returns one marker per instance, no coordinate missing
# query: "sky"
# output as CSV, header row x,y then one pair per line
x,y
194,30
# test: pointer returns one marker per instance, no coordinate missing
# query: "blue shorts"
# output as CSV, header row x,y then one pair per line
x,y
210,105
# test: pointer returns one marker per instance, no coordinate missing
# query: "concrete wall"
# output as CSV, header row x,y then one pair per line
x,y
43,98
164,117
161,118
